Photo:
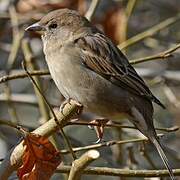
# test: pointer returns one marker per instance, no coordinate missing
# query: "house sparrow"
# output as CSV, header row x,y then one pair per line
x,y
87,67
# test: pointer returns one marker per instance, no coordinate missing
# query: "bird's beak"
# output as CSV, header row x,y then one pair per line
x,y
35,27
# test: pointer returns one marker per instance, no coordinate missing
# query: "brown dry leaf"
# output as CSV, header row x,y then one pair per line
x,y
40,158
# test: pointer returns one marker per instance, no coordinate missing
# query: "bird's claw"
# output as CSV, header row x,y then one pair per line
x,y
90,127
101,122
99,140
67,101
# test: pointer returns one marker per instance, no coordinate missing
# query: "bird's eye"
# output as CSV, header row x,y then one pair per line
x,y
53,26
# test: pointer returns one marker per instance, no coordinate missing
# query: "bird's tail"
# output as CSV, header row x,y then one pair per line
x,y
157,101
159,148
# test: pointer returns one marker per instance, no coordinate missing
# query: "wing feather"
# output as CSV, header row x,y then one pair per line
x,y
100,55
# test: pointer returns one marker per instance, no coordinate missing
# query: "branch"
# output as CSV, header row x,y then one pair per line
x,y
162,55
13,160
120,172
6,78
149,32
80,164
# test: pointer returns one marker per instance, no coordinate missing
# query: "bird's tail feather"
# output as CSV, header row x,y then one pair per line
x,y
159,148
157,101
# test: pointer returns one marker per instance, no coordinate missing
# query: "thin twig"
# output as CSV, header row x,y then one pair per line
x,y
11,59
104,144
6,78
116,125
31,63
151,31
9,123
92,9
120,172
21,98
53,113
162,55
128,11
144,153
17,36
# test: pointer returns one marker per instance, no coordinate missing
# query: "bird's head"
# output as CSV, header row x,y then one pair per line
x,y
60,24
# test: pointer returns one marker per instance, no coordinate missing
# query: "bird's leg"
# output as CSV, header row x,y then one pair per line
x,y
101,122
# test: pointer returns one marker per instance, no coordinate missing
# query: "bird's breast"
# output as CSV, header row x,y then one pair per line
x,y
71,78
76,81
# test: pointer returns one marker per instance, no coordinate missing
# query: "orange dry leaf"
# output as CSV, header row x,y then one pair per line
x,y
40,158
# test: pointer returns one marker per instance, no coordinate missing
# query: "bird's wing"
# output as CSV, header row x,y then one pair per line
x,y
100,55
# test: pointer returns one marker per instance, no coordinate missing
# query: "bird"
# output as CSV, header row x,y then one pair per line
x,y
88,67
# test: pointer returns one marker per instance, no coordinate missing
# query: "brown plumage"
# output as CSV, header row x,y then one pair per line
x,y
88,67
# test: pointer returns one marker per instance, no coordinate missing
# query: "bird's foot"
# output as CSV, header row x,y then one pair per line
x,y
68,101
100,123
64,103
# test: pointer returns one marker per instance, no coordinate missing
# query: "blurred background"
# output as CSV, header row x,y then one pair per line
x,y
141,29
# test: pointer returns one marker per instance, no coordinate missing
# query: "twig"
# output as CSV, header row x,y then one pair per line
x,y
144,153
120,172
104,144
23,75
30,64
44,111
131,160
149,32
92,9
80,164
11,107
52,111
29,99
11,59
6,122
116,125
171,96
128,11
13,159
17,36
170,129
162,55
9,123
